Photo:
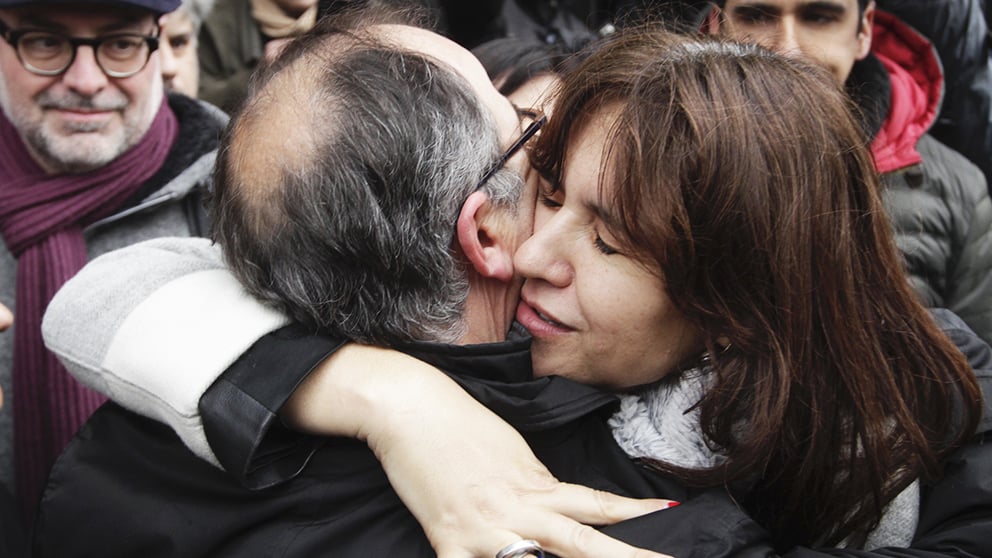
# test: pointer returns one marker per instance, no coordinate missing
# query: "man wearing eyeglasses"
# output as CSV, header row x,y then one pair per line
x,y
93,156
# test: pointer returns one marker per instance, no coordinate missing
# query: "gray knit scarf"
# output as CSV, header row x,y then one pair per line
x,y
653,423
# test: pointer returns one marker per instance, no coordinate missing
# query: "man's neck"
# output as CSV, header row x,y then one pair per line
x,y
488,311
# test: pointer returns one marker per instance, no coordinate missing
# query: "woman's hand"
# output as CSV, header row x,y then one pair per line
x,y
468,477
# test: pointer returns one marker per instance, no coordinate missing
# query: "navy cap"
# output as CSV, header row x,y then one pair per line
x,y
156,6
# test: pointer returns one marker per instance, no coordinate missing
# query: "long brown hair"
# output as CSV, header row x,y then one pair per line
x,y
743,179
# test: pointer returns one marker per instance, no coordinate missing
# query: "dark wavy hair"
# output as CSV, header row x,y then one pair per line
x,y
743,179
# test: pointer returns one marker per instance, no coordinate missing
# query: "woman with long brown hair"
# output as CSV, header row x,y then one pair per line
x,y
734,185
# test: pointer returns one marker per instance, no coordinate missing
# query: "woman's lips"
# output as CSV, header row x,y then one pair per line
x,y
538,323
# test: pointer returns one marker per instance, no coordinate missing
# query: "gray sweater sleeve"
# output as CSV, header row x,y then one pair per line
x,y
153,325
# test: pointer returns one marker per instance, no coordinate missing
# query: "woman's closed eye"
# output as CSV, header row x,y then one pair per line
x,y
603,247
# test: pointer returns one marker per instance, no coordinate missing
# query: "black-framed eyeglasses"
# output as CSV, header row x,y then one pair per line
x,y
538,120
47,53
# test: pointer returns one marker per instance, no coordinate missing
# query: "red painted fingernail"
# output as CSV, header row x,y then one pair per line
x,y
672,504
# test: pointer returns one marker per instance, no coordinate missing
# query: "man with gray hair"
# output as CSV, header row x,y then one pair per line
x,y
364,203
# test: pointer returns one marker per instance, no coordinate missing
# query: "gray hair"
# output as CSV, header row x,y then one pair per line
x,y
339,189
198,10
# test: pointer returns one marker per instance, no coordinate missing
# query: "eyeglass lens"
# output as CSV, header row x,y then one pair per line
x,y
50,53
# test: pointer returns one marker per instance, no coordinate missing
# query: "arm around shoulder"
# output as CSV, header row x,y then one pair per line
x,y
153,325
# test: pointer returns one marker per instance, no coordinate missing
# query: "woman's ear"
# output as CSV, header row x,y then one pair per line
x,y
482,241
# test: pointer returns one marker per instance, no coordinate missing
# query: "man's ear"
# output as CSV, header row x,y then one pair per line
x,y
481,240
865,31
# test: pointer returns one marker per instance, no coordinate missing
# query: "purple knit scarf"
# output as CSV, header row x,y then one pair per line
x,y
42,218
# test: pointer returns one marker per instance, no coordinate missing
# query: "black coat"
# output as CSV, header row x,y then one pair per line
x,y
127,487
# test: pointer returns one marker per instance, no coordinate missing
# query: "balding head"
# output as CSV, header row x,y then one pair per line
x,y
340,183
282,129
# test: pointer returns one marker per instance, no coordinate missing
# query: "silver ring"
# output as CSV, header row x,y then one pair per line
x,y
520,549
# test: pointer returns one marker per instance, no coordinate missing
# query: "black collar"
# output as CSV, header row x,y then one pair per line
x,y
499,375
871,90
